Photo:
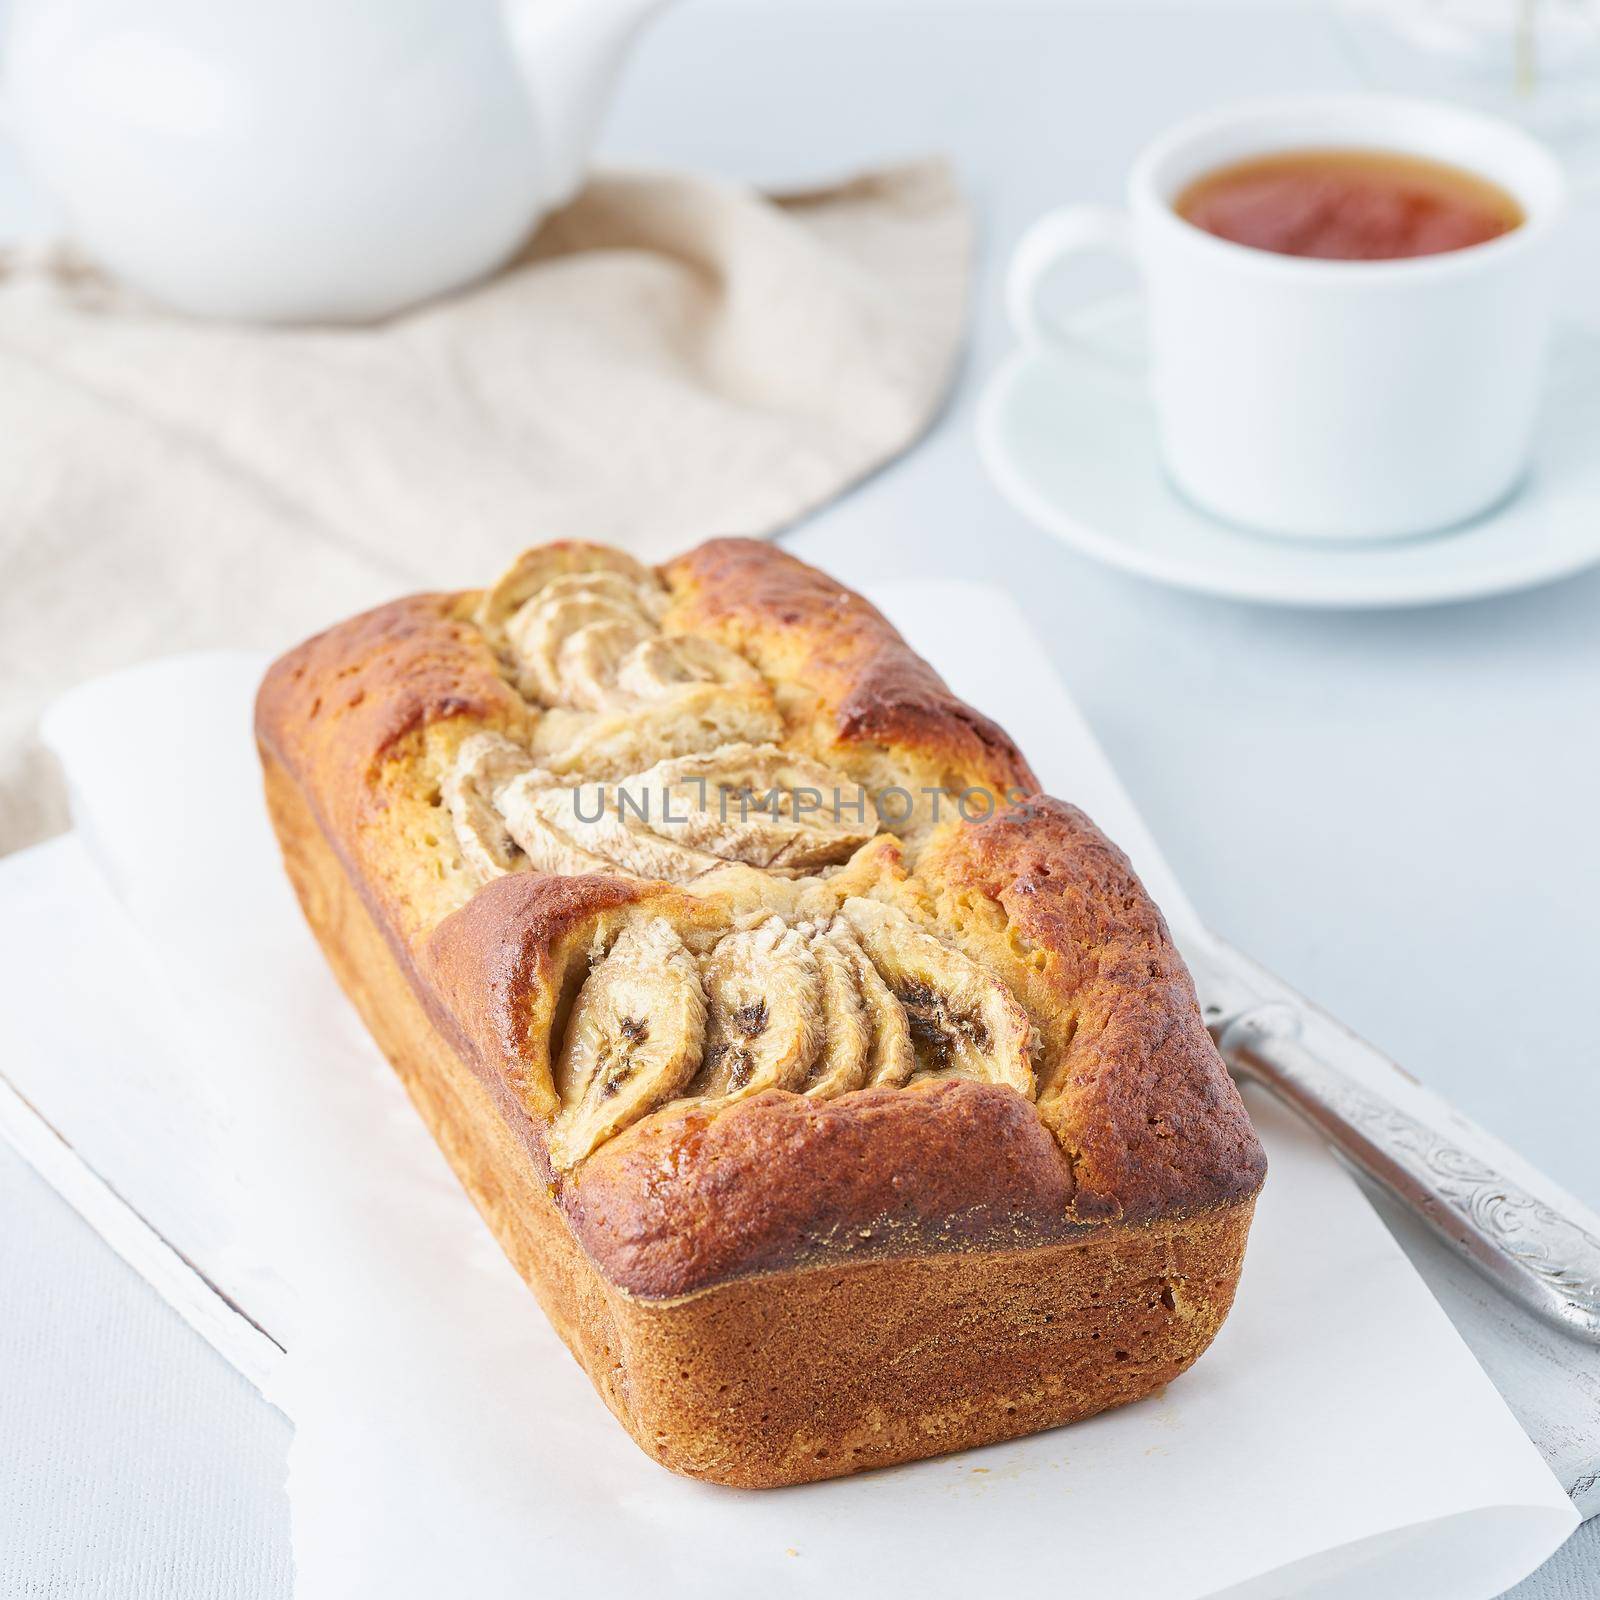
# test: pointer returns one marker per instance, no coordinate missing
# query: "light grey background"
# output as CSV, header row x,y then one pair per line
x,y
1396,811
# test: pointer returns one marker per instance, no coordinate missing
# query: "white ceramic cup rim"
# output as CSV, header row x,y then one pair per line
x,y
1485,145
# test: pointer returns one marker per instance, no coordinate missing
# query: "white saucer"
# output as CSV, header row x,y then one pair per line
x,y
1080,459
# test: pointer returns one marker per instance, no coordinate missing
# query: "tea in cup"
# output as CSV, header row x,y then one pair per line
x,y
1348,304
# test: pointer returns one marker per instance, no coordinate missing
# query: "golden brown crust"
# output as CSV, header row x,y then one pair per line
x,y
1137,1093
487,966
1136,1124
347,711
861,684
787,1377
1145,1120
693,1198
495,970
346,699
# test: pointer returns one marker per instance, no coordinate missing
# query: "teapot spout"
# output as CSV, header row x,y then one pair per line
x,y
570,52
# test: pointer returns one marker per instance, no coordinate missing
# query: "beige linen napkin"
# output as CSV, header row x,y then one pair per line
x,y
672,357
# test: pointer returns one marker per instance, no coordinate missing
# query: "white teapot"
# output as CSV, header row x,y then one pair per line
x,y
308,160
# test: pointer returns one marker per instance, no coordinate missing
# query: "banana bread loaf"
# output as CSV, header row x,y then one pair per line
x,y
842,1099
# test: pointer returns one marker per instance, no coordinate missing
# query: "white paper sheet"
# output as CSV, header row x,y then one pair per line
x,y
1338,1438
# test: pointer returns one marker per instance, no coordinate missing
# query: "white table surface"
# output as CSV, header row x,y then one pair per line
x,y
1399,812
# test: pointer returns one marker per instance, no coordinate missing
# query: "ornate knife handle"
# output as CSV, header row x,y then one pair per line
x,y
1544,1261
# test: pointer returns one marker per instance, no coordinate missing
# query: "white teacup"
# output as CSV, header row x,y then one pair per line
x,y
1314,398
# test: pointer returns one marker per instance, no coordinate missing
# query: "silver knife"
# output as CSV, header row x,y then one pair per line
x,y
1450,1173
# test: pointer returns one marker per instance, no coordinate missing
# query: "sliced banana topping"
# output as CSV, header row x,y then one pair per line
x,y
581,627
661,665
633,1040
964,1023
759,804
484,765
703,717
538,568
803,1008
589,660
847,1027
892,1058
602,818
591,643
547,846
659,756
687,817
540,631
636,591
764,1027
